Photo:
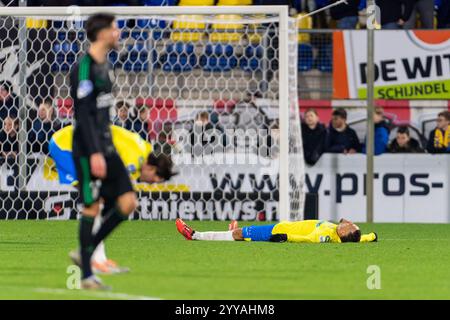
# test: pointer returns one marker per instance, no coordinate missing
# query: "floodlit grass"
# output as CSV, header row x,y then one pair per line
x,y
414,261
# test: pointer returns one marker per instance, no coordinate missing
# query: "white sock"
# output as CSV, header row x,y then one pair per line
x,y
213,236
99,254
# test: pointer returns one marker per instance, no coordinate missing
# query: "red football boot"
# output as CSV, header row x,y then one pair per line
x,y
184,229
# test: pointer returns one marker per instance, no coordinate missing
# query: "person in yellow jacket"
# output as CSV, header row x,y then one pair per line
x,y
306,231
135,152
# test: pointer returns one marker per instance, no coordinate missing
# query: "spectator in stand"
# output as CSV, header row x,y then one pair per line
x,y
43,127
394,13
8,101
425,8
381,132
140,124
347,15
162,145
340,137
403,143
439,141
443,14
313,134
122,118
9,144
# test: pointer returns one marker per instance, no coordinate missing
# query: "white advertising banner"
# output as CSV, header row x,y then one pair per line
x,y
408,188
412,64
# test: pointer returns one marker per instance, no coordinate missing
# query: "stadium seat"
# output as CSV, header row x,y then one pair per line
x,y
252,58
179,57
226,30
324,60
235,3
304,22
187,29
137,59
65,53
158,3
305,57
196,3
64,108
218,57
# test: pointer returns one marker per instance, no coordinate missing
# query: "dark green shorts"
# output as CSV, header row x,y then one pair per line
x,y
91,189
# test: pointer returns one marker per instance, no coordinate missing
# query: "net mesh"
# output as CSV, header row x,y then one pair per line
x,y
201,88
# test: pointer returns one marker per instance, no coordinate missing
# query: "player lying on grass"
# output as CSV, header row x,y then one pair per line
x,y
137,156
307,231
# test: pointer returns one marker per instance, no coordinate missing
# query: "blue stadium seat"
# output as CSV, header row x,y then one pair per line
x,y
65,54
252,58
179,57
305,57
324,60
137,59
218,57
160,3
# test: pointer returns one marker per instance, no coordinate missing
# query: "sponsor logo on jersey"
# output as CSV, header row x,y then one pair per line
x,y
104,100
85,87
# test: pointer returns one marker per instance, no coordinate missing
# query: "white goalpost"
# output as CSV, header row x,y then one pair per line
x,y
235,64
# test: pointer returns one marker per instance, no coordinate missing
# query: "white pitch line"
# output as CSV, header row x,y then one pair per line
x,y
95,294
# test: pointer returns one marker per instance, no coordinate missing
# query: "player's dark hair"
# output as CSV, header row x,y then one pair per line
x,y
97,23
163,164
403,130
354,236
340,112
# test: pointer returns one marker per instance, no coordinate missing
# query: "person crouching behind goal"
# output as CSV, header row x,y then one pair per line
x,y
307,231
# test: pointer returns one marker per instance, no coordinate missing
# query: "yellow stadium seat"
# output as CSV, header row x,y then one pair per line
x,y
196,3
235,3
304,23
227,31
36,23
192,28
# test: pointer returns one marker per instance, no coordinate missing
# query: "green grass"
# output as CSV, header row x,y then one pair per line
x,y
414,261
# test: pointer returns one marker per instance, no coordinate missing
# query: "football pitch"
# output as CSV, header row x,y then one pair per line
x,y
413,261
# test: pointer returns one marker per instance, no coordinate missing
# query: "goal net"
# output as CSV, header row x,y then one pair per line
x,y
214,87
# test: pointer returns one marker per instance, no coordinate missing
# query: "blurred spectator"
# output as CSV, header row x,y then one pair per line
x,y
313,134
439,141
347,15
425,8
140,124
340,137
162,144
403,143
43,127
394,13
9,144
201,125
381,132
8,102
443,14
122,118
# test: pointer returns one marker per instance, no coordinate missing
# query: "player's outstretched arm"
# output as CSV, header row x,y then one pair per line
x,y
370,237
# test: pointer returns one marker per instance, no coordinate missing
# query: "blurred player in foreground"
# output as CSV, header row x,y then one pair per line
x,y
142,166
307,231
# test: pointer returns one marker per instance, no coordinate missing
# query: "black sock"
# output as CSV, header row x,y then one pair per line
x,y
86,244
113,218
